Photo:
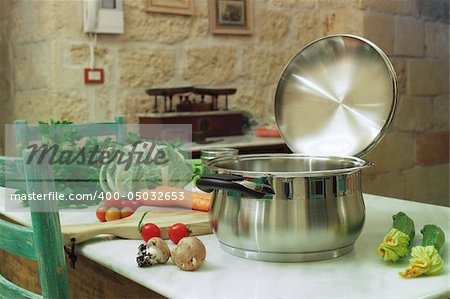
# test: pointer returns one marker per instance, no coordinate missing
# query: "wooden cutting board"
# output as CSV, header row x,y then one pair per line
x,y
198,223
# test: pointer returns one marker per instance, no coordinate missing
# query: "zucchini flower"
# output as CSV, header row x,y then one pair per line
x,y
426,259
395,243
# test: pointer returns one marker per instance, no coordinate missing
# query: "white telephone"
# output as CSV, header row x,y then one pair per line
x,y
103,16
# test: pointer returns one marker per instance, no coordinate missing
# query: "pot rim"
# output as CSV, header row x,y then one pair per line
x,y
358,165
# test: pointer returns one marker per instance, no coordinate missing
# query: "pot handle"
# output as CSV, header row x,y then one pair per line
x,y
208,183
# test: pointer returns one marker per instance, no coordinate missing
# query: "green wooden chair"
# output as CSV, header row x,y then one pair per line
x,y
42,242
25,133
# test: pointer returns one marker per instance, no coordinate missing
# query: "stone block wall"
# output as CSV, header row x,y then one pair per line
x,y
47,51
5,78
412,160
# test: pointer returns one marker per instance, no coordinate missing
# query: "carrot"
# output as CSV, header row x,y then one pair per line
x,y
201,204
192,200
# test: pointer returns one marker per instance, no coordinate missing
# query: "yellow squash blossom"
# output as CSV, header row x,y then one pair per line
x,y
394,245
425,260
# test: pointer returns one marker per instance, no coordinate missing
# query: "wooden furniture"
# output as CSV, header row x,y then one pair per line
x,y
209,124
88,280
25,133
187,100
195,106
43,242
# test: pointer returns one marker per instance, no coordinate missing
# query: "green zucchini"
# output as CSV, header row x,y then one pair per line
x,y
404,224
433,236
396,242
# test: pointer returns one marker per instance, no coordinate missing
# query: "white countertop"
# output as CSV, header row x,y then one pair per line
x,y
359,274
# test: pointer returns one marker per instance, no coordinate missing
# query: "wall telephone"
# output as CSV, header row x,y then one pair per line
x,y
103,16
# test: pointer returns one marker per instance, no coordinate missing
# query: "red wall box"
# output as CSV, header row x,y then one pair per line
x,y
94,76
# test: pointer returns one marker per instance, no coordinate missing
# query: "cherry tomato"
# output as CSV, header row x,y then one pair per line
x,y
126,212
178,231
150,230
101,212
112,214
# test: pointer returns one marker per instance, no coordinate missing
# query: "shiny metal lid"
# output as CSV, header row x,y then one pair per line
x,y
337,96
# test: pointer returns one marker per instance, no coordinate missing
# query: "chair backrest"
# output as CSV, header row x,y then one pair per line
x,y
25,133
43,242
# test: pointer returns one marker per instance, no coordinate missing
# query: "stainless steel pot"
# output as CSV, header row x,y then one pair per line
x,y
335,99
281,207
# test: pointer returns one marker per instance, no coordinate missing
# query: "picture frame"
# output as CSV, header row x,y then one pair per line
x,y
231,16
180,7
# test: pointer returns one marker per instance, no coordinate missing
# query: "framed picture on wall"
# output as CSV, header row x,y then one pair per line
x,y
231,16
180,7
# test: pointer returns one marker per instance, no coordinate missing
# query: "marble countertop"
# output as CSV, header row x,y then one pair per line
x,y
359,274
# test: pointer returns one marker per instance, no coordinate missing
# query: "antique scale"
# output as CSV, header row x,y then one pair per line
x,y
196,106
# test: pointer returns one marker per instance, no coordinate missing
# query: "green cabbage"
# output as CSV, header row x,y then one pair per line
x,y
176,172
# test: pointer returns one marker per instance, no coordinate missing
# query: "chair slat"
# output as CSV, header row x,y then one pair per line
x,y
25,133
47,230
9,290
17,239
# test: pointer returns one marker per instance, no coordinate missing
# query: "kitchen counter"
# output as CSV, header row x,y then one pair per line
x,y
246,144
248,140
359,274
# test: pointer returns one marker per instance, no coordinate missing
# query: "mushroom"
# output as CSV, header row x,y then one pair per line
x,y
154,252
162,251
144,258
189,253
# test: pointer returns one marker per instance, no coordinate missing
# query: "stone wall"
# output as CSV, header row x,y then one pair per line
x,y
5,76
412,160
48,51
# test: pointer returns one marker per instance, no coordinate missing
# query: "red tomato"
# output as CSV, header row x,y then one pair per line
x,y
178,231
126,212
150,230
112,214
101,212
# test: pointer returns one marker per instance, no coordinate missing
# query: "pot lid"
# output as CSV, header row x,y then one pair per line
x,y
337,96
